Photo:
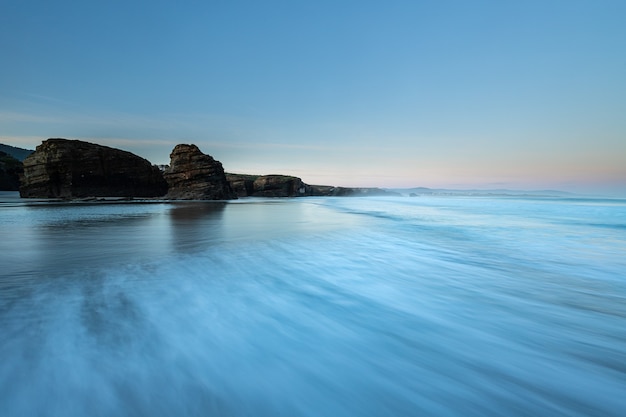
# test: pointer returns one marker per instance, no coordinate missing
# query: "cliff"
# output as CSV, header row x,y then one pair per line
x,y
331,191
287,186
62,168
267,185
193,175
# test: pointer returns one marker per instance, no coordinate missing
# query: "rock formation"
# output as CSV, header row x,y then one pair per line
x,y
267,185
62,168
10,170
193,175
241,184
331,191
288,186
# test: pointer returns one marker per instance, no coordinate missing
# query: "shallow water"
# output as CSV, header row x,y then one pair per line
x,y
434,306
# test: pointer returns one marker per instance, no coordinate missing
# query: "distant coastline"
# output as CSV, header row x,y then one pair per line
x,y
68,169
501,192
241,181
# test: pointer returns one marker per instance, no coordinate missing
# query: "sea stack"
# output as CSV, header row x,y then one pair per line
x,y
63,168
193,175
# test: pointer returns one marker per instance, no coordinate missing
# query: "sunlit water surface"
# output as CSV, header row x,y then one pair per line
x,y
433,306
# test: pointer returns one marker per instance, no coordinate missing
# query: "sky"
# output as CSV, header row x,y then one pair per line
x,y
442,93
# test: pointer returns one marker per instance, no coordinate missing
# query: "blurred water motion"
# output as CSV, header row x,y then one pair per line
x,y
314,307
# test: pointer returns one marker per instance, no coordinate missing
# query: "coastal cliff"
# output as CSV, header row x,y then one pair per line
x,y
193,175
287,186
63,168
267,185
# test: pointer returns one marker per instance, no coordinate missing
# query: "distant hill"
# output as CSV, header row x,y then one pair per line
x,y
17,153
416,191
10,170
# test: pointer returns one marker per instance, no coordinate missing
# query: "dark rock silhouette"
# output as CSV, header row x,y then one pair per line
x,y
18,153
267,185
62,168
10,171
326,190
287,186
193,175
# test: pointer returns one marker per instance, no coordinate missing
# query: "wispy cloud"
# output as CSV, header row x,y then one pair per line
x,y
11,116
127,129
49,99
327,147
28,142
125,142
32,141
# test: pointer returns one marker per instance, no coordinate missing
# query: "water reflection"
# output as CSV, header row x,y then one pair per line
x,y
195,226
290,307
73,238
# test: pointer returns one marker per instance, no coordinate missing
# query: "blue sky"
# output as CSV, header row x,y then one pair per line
x,y
357,93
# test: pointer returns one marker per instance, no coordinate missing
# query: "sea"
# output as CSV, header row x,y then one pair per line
x,y
374,306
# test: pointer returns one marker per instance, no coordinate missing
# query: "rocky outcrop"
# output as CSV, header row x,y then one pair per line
x,y
62,168
241,184
279,186
267,185
325,190
10,170
288,186
193,175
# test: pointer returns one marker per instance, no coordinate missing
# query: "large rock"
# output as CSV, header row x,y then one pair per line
x,y
193,175
267,185
73,168
279,186
241,184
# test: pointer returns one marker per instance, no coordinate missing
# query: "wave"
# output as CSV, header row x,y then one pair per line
x,y
315,307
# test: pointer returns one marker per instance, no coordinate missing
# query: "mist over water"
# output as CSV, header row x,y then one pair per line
x,y
449,306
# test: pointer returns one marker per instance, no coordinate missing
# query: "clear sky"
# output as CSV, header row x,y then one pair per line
x,y
489,94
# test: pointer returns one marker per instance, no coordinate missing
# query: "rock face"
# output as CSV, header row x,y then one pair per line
x,y
325,190
62,168
241,184
10,171
193,175
267,185
279,186
287,186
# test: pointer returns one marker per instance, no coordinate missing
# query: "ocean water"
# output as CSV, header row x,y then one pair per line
x,y
430,306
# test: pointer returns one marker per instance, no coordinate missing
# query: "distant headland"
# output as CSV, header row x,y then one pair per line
x,y
74,169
